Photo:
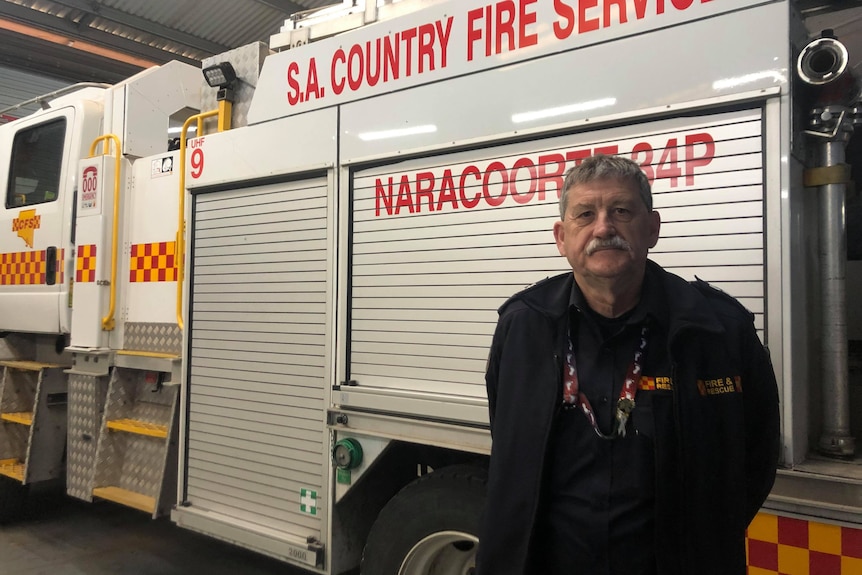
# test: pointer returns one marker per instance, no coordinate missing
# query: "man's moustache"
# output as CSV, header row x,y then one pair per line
x,y
614,243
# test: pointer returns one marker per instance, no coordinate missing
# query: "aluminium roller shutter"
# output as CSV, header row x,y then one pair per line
x,y
257,379
439,243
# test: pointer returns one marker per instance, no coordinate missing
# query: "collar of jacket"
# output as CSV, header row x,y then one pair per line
x,y
690,309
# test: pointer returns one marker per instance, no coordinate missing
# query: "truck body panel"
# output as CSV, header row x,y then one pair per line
x,y
343,249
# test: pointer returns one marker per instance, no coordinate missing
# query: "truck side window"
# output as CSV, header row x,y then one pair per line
x,y
37,156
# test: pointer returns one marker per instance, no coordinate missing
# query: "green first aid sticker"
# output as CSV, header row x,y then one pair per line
x,y
308,501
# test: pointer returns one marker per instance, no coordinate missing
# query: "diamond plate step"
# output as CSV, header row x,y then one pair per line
x,y
139,427
125,497
12,468
28,365
22,417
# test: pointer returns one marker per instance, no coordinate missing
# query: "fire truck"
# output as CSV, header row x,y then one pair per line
x,y
262,303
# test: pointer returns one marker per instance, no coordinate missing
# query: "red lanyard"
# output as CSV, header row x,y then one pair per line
x,y
574,397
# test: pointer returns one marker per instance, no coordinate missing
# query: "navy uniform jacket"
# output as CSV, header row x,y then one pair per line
x,y
716,436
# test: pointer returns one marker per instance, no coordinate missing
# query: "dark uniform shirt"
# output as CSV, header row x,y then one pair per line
x,y
599,494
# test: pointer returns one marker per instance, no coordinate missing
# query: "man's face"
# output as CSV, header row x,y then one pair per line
x,y
607,230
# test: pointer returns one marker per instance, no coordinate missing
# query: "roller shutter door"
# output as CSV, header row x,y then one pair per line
x,y
257,375
440,243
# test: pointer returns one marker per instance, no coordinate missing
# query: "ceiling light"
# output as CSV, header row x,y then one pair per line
x,y
61,40
726,83
398,133
562,110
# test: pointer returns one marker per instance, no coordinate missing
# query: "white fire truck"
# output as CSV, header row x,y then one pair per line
x,y
275,330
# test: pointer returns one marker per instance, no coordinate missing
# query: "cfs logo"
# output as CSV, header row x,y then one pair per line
x,y
24,224
89,187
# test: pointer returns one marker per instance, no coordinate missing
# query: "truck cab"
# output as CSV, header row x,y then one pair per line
x,y
38,189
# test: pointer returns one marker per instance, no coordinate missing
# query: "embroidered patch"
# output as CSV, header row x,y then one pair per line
x,y
720,385
654,383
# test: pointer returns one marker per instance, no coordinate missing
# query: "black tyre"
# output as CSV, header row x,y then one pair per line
x,y
430,527
13,496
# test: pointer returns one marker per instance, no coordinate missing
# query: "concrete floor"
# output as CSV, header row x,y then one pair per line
x,y
62,536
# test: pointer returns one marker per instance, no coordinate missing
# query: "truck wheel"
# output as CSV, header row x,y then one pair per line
x,y
13,495
430,527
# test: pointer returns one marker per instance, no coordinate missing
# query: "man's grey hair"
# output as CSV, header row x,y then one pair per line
x,y
603,167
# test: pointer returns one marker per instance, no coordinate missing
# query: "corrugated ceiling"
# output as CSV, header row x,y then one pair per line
x,y
214,21
56,37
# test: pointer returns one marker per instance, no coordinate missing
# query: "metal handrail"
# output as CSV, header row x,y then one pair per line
x,y
180,256
108,321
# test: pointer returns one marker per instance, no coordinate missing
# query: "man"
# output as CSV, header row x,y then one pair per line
x,y
634,415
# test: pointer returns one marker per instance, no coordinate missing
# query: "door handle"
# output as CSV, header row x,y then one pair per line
x,y
51,265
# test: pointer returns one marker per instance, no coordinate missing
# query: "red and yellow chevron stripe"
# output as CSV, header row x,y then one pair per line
x,y
786,546
153,262
27,268
85,264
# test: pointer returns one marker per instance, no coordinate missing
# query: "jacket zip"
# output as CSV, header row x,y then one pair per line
x,y
558,369
680,453
680,448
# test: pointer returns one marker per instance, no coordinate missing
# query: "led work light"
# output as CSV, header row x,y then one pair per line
x,y
220,75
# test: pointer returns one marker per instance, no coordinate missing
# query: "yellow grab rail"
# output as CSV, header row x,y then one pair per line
x,y
108,320
225,115
180,256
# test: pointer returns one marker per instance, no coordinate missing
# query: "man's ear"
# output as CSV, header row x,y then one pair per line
x,y
655,227
560,236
